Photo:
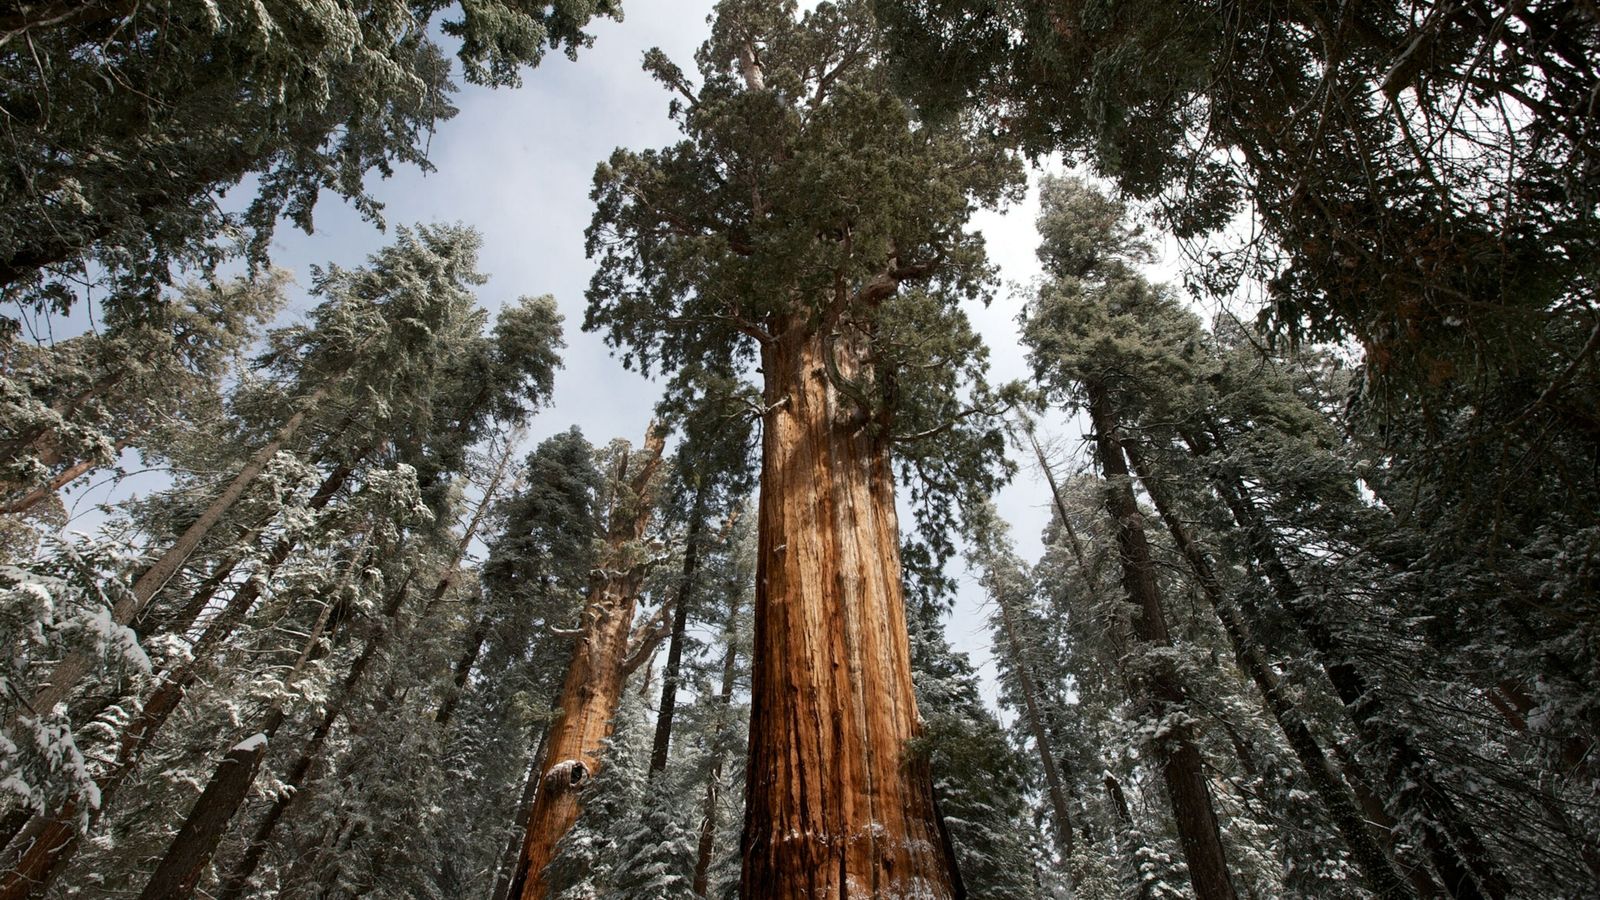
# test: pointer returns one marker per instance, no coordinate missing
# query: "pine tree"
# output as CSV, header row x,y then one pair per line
x,y
1089,265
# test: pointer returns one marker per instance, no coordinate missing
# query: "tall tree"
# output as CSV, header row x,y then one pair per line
x,y
709,479
785,227
396,334
72,406
1087,249
608,649
126,118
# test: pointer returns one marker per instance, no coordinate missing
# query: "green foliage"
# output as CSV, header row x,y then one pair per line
x,y
140,381
978,775
806,200
125,119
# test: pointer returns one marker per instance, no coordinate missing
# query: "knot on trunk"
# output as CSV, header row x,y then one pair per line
x,y
567,775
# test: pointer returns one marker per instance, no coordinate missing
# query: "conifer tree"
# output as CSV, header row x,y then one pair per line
x,y
806,221
608,648
1087,250
127,118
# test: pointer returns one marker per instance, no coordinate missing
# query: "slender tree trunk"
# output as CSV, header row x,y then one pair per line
x,y
680,623
480,630
511,855
70,474
1054,783
178,873
1182,767
1465,867
75,665
1379,871
234,883
1119,804
835,806
51,841
595,680
1513,703
238,878
463,671
709,812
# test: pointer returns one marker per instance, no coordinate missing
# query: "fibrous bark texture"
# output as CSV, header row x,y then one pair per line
x,y
835,806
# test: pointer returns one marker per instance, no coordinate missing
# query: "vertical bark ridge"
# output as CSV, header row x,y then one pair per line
x,y
834,808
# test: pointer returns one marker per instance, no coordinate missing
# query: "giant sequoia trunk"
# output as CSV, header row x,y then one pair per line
x,y
600,667
835,805
1182,767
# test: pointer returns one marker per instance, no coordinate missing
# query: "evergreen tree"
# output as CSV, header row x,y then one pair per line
x,y
807,220
125,119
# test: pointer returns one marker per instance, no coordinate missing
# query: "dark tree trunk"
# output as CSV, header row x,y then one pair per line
x,y
1162,694
1463,863
178,873
75,665
51,841
235,882
509,857
462,671
1379,871
1054,783
680,623
709,813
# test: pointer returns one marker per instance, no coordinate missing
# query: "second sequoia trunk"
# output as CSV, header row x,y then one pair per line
x,y
594,682
835,806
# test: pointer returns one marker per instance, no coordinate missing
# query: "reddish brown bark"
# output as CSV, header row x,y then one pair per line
x,y
835,807
599,669
1160,690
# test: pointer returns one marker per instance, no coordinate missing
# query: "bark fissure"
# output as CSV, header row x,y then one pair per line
x,y
835,807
